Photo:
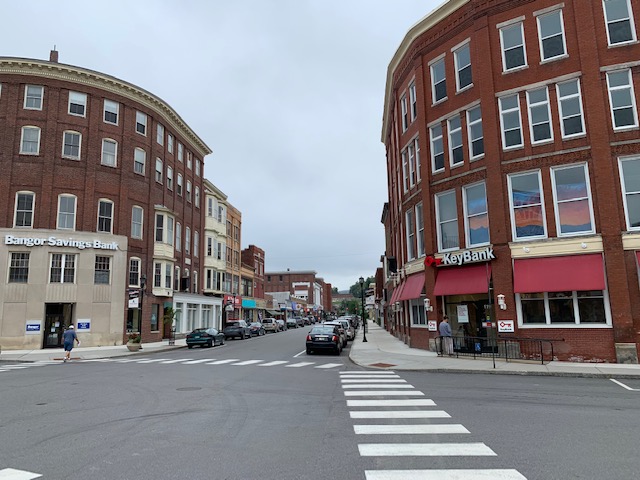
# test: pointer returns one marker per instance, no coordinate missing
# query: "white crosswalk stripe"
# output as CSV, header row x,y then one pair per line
x,y
180,360
155,360
298,365
222,362
389,414
329,365
385,393
374,385
476,449
247,362
13,474
368,380
193,362
453,474
409,429
274,363
418,402
367,372
369,376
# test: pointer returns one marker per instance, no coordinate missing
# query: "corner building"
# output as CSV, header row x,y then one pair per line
x,y
101,216
513,161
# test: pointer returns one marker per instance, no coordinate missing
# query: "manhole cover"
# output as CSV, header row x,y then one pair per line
x,y
382,365
188,389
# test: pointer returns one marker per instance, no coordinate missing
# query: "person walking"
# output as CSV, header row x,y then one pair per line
x,y
445,336
68,337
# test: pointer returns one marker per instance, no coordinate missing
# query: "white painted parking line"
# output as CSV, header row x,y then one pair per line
x,y
367,372
274,363
409,429
370,376
247,362
625,386
301,364
15,367
368,380
155,360
495,474
12,474
412,402
425,450
298,354
222,362
329,365
384,393
193,362
180,360
374,385
400,414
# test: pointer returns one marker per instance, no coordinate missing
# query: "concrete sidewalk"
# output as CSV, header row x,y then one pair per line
x,y
385,351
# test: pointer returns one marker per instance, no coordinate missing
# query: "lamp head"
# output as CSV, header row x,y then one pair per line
x,y
361,281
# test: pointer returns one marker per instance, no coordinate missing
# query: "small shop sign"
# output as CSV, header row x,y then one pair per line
x,y
433,325
506,326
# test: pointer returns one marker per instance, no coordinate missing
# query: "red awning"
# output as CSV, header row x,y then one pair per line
x,y
396,294
559,274
463,280
412,287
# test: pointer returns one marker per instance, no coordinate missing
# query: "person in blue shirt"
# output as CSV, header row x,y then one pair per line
x,y
68,337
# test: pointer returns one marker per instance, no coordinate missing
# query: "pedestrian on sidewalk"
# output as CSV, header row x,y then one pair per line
x,y
68,337
445,336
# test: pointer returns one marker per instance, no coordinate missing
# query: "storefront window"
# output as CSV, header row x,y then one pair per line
x,y
557,308
192,310
561,307
533,308
591,306
417,313
155,309
206,316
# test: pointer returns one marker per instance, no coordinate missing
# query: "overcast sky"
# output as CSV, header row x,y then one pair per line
x,y
287,93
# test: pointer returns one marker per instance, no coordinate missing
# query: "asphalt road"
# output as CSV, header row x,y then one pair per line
x,y
252,409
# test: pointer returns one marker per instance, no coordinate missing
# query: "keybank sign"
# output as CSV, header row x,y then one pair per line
x,y
468,257
59,242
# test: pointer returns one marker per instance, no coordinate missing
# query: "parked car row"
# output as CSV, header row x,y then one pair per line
x,y
332,335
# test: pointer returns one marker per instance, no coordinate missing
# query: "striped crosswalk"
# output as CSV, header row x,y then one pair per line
x,y
391,412
9,367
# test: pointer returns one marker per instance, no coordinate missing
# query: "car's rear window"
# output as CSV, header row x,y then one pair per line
x,y
322,330
267,320
233,324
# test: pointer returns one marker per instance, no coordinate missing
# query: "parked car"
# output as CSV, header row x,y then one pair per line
x,y
281,324
348,328
237,328
299,321
324,337
205,336
270,325
306,320
256,328
343,332
292,323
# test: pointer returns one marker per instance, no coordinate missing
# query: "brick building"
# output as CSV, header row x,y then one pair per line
x,y
301,284
513,162
102,219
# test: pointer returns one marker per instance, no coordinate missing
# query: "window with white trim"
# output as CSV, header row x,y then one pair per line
x,y
169,177
33,95
420,231
30,141
437,148
77,104
187,240
25,206
474,130
170,143
196,244
539,115
210,241
412,164
160,134
137,215
197,167
105,216
418,317
194,286
178,236
438,81
139,161
168,270
164,228
19,267
510,122
189,191
462,59
447,220
514,55
109,152
176,277
197,197
527,206
562,308
630,179
404,113
456,155
413,101
71,143
551,35
159,170
141,123
622,99
110,112
476,215
572,200
411,234
62,268
66,212
618,16
405,170
416,146
134,272
102,270
180,152
570,109
189,160
179,185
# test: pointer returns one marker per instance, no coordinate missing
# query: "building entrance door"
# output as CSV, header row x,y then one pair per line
x,y
57,316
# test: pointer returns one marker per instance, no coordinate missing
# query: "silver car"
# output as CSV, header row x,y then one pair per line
x,y
343,332
349,330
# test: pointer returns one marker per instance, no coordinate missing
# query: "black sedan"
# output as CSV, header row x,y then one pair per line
x,y
256,329
205,336
324,337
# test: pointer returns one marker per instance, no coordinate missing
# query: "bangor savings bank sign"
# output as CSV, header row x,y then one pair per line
x,y
59,242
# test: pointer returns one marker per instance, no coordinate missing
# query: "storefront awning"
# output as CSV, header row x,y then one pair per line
x,y
396,293
412,287
465,280
638,256
274,312
558,274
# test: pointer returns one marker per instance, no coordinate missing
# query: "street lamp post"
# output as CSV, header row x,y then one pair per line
x,y
364,319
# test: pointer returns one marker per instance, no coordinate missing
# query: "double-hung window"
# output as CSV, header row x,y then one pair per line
x,y
77,104
557,308
160,134
180,152
189,191
105,216
474,130
476,216
416,145
19,267
462,57
170,143
572,200
539,115
630,178
514,55
189,160
405,170
438,81
24,209
71,145
30,141
109,152
196,198
179,185
411,234
67,212
437,148
102,271
187,240
196,244
570,108
412,163
159,170
137,215
527,206
178,236
169,177
62,268
447,220
134,272
618,16
413,102
420,231
110,112
456,154
510,122
33,95
551,34
141,123
403,112
622,99
139,161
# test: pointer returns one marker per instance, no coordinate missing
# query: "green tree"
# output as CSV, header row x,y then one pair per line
x,y
354,289
334,290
